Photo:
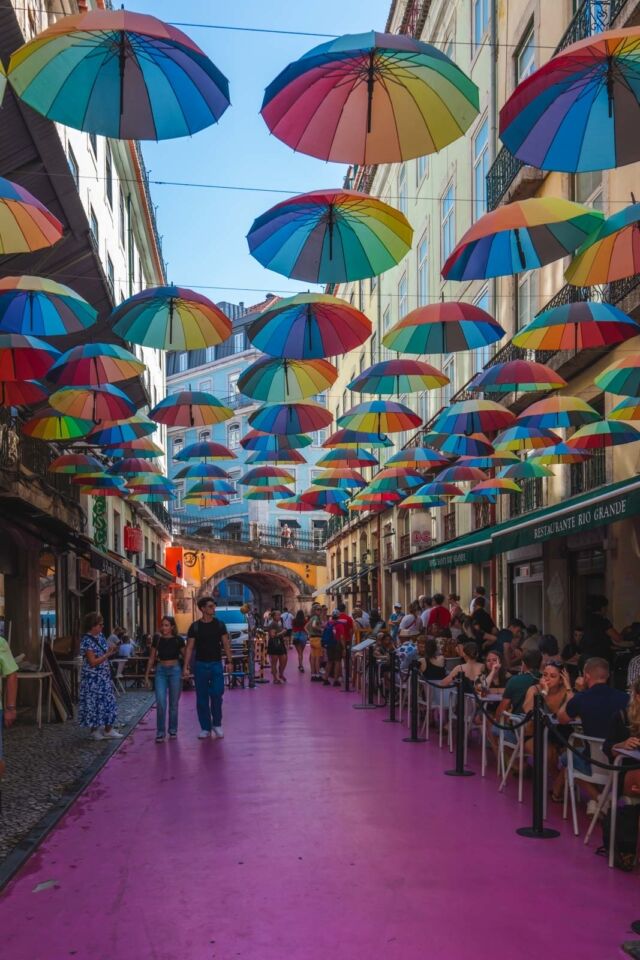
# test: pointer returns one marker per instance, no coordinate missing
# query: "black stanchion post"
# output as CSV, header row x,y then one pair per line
x,y
413,687
368,687
461,732
537,830
252,662
392,689
347,669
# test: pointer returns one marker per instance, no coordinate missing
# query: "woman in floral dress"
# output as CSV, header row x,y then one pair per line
x,y
97,701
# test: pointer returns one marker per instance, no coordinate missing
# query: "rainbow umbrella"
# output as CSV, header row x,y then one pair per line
x,y
519,236
120,74
205,450
21,393
157,494
94,364
557,412
419,458
370,98
261,440
276,380
99,480
150,483
379,496
204,501
439,488
346,457
42,308
321,498
458,444
377,507
471,497
155,497
48,424
443,328
611,253
330,236
309,326
497,485
622,377
604,433
356,439
296,505
269,493
379,416
422,501
343,478
559,453
336,509
461,473
277,457
577,326
525,438
396,478
24,358
190,408
197,470
3,81
75,463
116,432
131,466
627,409
290,418
25,223
525,470
266,477
93,403
143,447
399,376
579,111
215,485
525,376
491,461
171,318
89,491
473,416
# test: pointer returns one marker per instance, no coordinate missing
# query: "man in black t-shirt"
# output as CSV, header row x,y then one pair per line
x,y
209,635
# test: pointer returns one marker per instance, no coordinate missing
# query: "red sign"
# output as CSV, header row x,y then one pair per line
x,y
421,536
174,561
132,539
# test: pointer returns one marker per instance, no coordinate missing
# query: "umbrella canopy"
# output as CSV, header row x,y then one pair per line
x,y
150,482
341,457
330,236
342,478
473,416
525,376
21,393
290,418
557,412
24,358
356,439
197,470
485,496
377,506
559,453
99,479
281,380
143,447
458,444
205,450
396,478
577,326
369,496
525,470
336,509
627,409
420,458
439,488
460,473
525,438
267,477
120,74
622,377
519,236
399,376
156,497
48,424
131,467
296,505
490,462
264,441
579,111
380,416
171,318
93,403
275,457
89,491
94,364
25,223
321,498
204,500
157,494
75,463
190,408
42,308
215,485
612,252
370,98
118,432
422,501
443,328
497,485
279,492
309,326
604,433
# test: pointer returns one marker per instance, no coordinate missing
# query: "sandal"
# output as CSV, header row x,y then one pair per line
x,y
555,798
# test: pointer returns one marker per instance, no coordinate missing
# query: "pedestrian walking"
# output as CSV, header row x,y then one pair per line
x,y
97,699
287,623
277,652
166,651
209,636
314,629
9,671
333,649
285,534
300,637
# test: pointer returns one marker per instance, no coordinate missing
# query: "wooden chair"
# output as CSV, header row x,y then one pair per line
x,y
40,676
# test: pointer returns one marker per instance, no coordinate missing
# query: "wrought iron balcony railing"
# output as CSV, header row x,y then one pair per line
x,y
241,531
588,475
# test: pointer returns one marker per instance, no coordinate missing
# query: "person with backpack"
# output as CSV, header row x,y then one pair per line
x,y
333,651
209,636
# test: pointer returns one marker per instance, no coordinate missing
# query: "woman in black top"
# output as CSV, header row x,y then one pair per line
x,y
277,651
166,650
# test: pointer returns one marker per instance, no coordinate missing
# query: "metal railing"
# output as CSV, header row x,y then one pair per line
x,y
531,498
162,514
590,474
449,525
242,531
482,516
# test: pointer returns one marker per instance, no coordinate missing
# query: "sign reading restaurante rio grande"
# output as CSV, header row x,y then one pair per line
x,y
582,519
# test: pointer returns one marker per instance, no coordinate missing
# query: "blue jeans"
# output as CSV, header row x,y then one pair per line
x,y
168,680
209,677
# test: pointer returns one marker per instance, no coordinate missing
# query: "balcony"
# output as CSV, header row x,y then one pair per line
x,y
449,526
530,499
482,515
388,552
405,544
589,475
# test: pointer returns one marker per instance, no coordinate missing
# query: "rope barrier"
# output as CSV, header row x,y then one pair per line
x,y
581,753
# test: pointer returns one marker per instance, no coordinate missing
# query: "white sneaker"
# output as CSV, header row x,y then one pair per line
x,y
219,732
204,734
112,735
97,735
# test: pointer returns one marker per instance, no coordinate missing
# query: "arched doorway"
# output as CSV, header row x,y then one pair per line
x,y
272,585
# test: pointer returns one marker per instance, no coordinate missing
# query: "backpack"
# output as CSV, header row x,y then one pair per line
x,y
328,636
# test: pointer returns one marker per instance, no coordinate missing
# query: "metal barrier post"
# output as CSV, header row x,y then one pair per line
x,y
393,689
461,732
413,686
537,830
369,685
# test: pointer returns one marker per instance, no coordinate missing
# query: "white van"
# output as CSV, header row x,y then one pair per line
x,y
237,626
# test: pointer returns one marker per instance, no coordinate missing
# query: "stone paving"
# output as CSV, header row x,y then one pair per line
x,y
44,765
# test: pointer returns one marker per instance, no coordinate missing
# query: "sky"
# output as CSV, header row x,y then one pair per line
x,y
204,230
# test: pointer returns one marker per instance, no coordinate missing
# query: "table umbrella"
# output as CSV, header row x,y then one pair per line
x,y
460,473
93,403
131,466
25,223
75,463
205,450
266,477
215,485
422,501
262,441
197,470
604,433
519,236
356,439
283,380
497,485
577,326
143,447
346,457
379,416
525,470
524,376
579,111
339,478
42,308
627,409
491,461
296,505
290,418
48,424
557,412
321,498
525,438
269,493
116,432
370,98
420,458
399,376
171,318
473,416
94,364
396,478
471,497
21,393
443,328
559,453
190,408
119,74
612,252
330,236
277,457
458,444
24,358
309,326
622,377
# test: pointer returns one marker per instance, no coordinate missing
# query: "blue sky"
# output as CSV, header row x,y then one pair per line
x,y
204,230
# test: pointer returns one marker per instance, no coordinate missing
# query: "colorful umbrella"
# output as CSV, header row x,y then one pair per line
x,y
370,98
399,376
309,326
497,485
150,483
346,457
525,470
171,318
330,236
42,308
263,441
266,477
622,377
75,463
443,328
25,223
276,380
460,473
627,409
471,497
93,403
295,504
99,479
557,412
196,470
459,445
120,74
439,488
156,497
579,111
379,416
215,485
520,236
379,496
107,492
21,393
24,358
205,450
612,252
604,433
356,439
157,494
525,438
343,478
190,408
559,453
420,458
396,478
525,376
422,501
269,493
3,81
321,498
473,416
205,502
377,506
116,432
577,326
48,424
131,466
491,461
94,364
336,509
141,447
290,417
277,457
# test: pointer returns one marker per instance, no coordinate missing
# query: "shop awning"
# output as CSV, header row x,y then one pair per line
x,y
108,564
473,548
159,573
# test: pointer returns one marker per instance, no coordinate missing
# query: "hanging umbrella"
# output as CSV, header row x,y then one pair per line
x,y
346,457
215,485
290,417
330,236
622,377
420,458
370,98
275,380
98,480
196,470
356,439
557,412
277,457
21,393
75,463
48,424
525,376
471,497
473,416
24,358
491,461
206,502
130,466
604,433
155,497
3,81
143,447
117,432
458,444
559,453
577,326
460,473
205,450
497,485
443,328
342,478
171,318
379,496
190,408
266,477
439,488
627,409
269,493
336,509
321,498
396,478
399,376
612,252
296,505
93,403
38,307
579,111
25,223
519,236
94,364
263,441
120,74
525,438
379,506
422,501
525,470
379,416
309,326
157,494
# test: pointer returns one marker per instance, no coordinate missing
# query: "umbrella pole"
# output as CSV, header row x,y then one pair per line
x,y
122,56
370,87
330,223
171,307
523,262
30,311
609,82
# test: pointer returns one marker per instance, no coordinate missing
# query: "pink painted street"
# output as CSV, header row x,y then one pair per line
x,y
310,829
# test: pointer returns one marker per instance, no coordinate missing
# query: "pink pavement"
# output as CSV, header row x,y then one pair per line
x,y
310,832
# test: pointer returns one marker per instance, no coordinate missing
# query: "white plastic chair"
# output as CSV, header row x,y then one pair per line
x,y
598,777
517,752
469,714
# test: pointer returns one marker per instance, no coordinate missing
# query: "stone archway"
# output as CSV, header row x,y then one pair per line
x,y
270,583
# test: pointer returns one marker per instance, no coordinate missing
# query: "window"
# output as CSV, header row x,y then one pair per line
x,y
480,169
448,222
233,436
177,446
233,479
402,296
587,189
526,56
373,347
238,342
423,271
209,354
73,166
403,200
527,298
319,437
320,398
108,175
449,370
483,354
123,220
110,274
448,47
177,504
373,283
480,21
93,143
232,388
93,223
422,169
204,436
182,361
386,319
205,386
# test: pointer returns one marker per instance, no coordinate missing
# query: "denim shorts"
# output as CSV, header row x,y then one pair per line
x,y
580,764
